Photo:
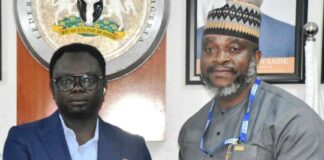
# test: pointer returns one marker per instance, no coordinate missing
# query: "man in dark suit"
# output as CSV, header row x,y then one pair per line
x,y
75,131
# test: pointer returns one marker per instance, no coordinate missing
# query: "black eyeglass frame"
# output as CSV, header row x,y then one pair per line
x,y
56,81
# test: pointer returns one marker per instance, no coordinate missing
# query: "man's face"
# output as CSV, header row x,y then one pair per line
x,y
78,102
228,63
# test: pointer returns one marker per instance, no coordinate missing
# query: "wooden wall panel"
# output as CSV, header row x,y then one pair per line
x,y
35,98
137,102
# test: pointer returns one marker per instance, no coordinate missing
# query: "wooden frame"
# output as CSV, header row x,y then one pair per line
x,y
0,44
322,75
277,75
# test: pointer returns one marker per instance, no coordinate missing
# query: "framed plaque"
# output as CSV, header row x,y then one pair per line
x,y
126,31
0,44
281,40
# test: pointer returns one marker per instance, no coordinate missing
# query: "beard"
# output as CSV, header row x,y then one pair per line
x,y
83,112
240,82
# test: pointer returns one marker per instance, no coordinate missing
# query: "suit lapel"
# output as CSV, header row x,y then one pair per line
x,y
109,147
52,136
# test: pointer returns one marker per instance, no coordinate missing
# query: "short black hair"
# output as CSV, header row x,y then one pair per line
x,y
77,47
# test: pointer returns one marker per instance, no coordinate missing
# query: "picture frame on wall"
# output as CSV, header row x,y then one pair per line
x,y
281,39
322,74
0,43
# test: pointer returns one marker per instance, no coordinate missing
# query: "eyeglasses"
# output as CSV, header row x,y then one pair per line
x,y
66,83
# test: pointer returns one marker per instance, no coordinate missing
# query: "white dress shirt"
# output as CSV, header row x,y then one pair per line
x,y
87,151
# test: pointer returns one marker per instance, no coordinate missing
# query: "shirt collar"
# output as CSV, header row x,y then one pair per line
x,y
68,130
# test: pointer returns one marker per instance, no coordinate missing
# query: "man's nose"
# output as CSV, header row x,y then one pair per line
x,y
77,85
221,57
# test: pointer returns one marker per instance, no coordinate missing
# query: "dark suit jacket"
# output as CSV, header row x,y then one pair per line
x,y
44,140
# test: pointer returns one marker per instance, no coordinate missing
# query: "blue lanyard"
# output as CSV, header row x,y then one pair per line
x,y
244,128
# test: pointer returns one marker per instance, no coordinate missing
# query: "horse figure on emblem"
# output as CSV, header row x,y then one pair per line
x,y
117,8
62,6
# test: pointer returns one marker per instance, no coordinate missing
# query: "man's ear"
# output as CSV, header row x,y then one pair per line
x,y
257,56
105,80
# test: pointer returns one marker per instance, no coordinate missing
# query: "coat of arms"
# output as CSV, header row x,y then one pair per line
x,y
92,17
125,31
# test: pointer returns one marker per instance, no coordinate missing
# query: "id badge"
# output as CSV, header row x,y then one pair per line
x,y
244,152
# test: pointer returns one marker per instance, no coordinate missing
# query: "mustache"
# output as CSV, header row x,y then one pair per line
x,y
220,68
